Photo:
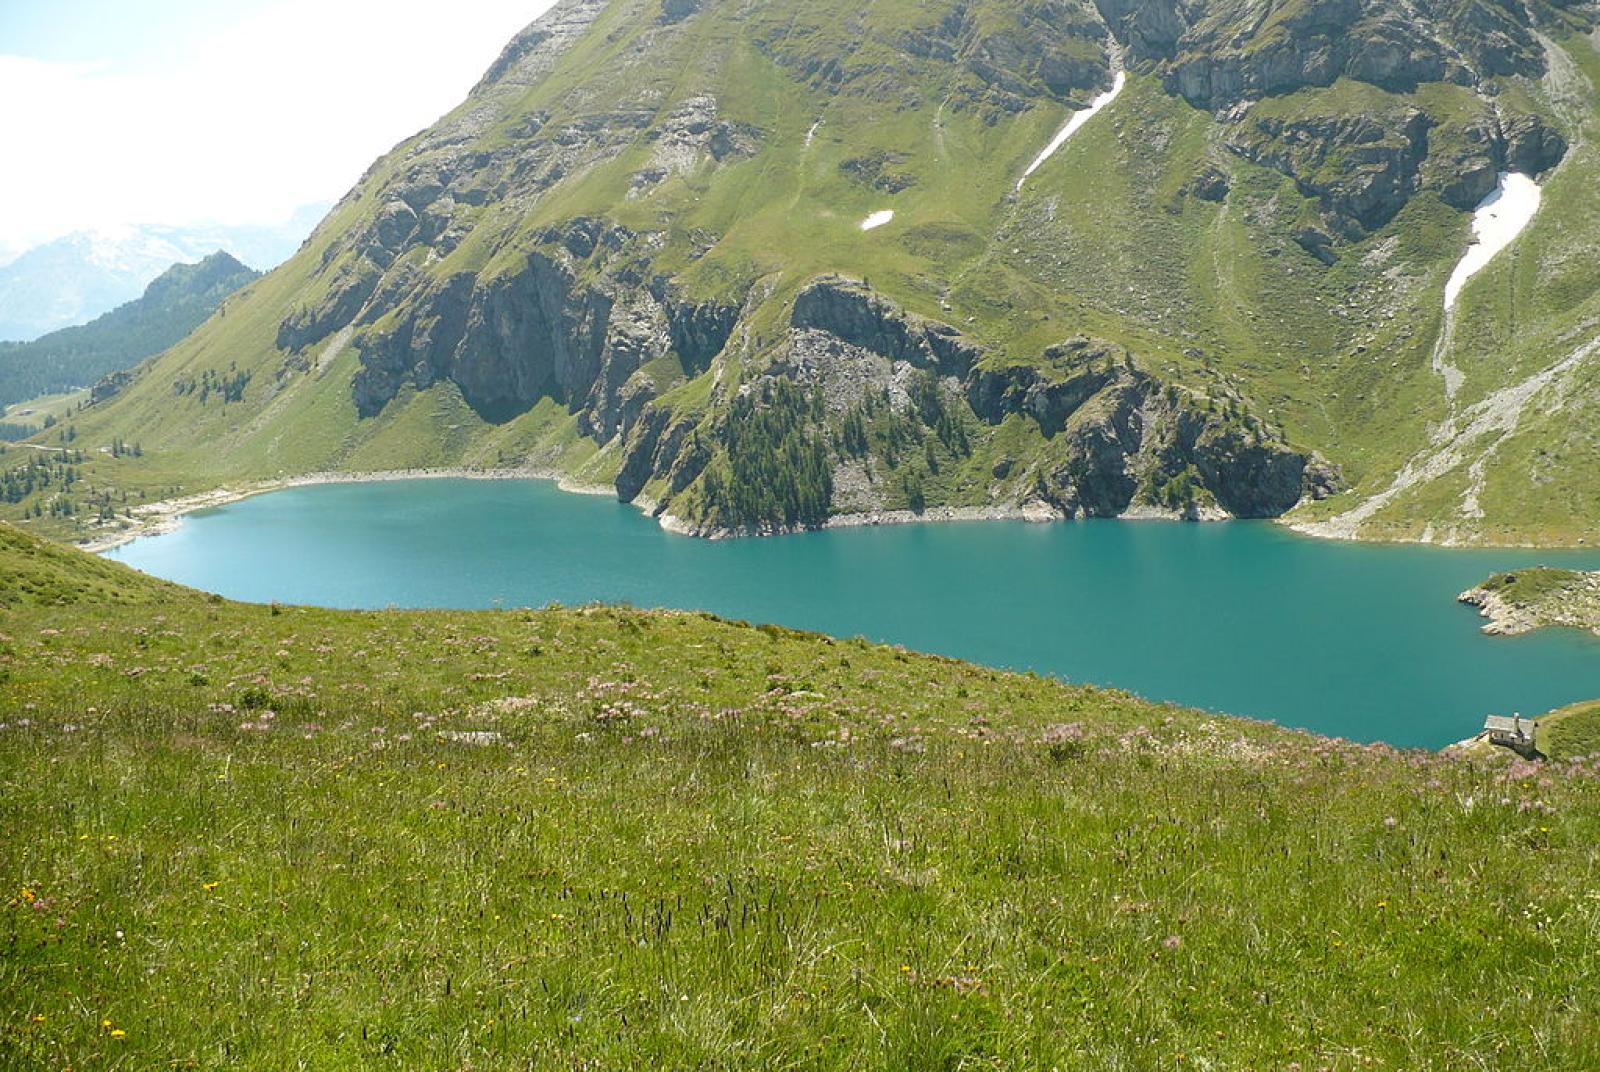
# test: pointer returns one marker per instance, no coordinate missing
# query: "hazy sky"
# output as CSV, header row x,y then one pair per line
x,y
220,111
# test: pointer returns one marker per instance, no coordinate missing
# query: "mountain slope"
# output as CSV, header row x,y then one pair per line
x,y
76,278
172,306
636,254
286,837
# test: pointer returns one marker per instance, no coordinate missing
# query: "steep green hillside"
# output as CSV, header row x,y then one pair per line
x,y
271,838
636,254
1571,732
42,574
172,306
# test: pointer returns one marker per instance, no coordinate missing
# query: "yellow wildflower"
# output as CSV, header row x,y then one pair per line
x,y
119,1033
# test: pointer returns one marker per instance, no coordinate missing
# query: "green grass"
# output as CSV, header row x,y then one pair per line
x,y
1543,596
1530,587
257,837
1571,732
38,573
35,410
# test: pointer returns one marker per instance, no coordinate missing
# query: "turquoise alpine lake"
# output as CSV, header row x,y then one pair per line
x,y
1353,640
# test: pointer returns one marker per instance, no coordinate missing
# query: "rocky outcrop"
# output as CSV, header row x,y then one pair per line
x,y
678,10
1115,437
1042,47
663,447
1210,184
347,294
851,311
1006,57
506,342
509,340
1528,144
1363,168
1219,52
1073,373
690,134
1125,438
1362,162
109,386
1536,598
699,330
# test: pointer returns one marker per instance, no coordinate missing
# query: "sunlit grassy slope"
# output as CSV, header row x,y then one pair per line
x,y
1108,238
271,838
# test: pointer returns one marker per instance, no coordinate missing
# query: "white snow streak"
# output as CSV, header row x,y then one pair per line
x,y
1497,220
1075,124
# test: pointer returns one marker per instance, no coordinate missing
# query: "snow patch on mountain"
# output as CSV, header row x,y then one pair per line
x,y
1496,222
1075,124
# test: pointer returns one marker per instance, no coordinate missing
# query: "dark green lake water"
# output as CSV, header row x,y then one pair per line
x,y
1358,641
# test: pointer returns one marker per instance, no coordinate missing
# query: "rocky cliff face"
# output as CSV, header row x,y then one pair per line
x,y
1016,54
1218,52
1363,168
1120,438
1115,436
575,323
1363,162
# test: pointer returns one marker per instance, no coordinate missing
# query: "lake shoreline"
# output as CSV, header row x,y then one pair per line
x,y
1327,530
1090,602
164,516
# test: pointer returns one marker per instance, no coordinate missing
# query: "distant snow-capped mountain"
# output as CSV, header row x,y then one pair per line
x,y
74,279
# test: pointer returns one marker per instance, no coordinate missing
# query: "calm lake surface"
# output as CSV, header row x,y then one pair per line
x,y
1364,642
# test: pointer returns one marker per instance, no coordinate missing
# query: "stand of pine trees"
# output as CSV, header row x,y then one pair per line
x,y
777,469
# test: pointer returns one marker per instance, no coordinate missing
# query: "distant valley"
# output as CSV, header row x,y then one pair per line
x,y
170,308
74,279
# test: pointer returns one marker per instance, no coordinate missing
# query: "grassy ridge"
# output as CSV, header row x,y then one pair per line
x,y
285,837
1571,731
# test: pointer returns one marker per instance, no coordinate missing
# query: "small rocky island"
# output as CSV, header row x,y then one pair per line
x,y
1524,600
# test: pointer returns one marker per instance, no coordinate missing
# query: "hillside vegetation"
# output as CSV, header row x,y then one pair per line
x,y
278,837
1529,599
1222,296
172,306
1570,731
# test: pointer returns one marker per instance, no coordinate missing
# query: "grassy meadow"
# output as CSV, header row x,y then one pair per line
x,y
279,837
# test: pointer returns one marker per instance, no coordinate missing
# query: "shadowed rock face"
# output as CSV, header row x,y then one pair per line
x,y
1118,429
852,312
1117,435
1381,161
516,338
1364,168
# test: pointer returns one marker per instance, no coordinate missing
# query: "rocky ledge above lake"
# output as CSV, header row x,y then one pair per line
x,y
1525,600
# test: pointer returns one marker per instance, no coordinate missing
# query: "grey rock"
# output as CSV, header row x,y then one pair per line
x,y
1380,160
852,311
